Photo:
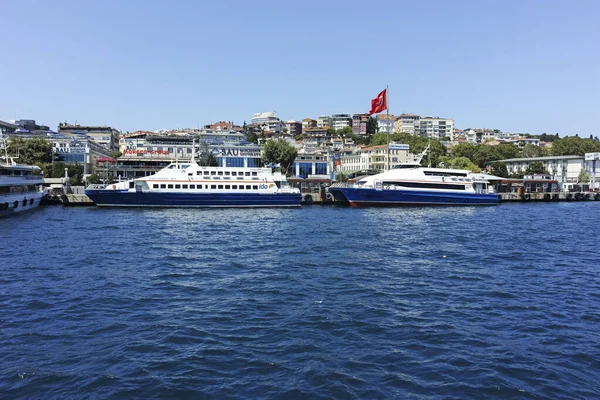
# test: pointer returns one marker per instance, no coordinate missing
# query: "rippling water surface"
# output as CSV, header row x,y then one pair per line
x,y
495,302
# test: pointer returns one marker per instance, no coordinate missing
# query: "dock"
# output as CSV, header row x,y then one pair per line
x,y
548,196
76,200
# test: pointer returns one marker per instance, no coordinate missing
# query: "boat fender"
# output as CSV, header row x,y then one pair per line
x,y
31,201
49,196
527,197
569,196
16,204
24,202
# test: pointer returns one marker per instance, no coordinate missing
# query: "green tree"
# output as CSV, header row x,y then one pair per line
x,y
347,130
573,145
372,125
331,131
583,177
341,177
252,137
208,159
536,168
498,168
30,151
115,154
464,163
531,150
279,152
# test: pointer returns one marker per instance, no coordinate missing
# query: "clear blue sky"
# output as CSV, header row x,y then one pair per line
x,y
519,66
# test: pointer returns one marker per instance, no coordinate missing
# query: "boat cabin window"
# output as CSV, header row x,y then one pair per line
x,y
248,187
220,173
254,174
177,186
233,173
255,187
220,186
169,186
172,166
198,172
185,166
155,186
227,187
213,186
247,173
131,185
184,186
163,186
226,173
205,172
234,186
213,172
441,173
191,186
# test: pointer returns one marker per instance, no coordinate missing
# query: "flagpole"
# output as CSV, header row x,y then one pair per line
x,y
387,108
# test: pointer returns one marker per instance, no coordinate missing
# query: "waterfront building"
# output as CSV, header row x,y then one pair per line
x,y
81,150
436,128
566,169
376,157
103,135
340,121
308,123
385,123
324,120
409,123
359,124
310,164
294,127
144,154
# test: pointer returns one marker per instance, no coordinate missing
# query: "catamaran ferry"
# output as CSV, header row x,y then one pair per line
x,y
411,184
188,184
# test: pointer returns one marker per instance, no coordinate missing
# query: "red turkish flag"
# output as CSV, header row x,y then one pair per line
x,y
379,103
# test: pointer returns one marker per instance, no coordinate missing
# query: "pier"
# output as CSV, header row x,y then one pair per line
x,y
548,196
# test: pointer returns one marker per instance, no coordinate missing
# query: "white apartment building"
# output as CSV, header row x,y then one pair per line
x,y
340,121
324,120
436,128
376,157
385,123
269,121
566,169
409,123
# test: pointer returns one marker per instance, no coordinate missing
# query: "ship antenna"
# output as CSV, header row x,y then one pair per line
x,y
429,152
193,160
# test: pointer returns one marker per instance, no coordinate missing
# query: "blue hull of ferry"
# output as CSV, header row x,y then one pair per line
x,y
117,198
386,198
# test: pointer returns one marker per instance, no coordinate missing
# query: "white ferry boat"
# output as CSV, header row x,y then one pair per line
x,y
411,184
21,186
188,184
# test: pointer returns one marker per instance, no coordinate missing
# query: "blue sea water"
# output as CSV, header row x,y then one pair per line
x,y
318,302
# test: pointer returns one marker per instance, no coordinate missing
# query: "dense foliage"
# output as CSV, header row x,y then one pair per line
x,y
279,152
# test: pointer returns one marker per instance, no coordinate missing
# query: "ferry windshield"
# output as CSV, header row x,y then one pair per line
x,y
405,166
